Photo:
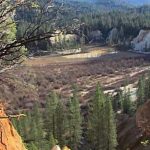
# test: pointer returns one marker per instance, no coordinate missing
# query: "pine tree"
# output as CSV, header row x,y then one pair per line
x,y
32,146
60,123
141,92
74,122
26,126
50,114
37,124
127,105
110,126
23,126
38,120
52,141
147,88
97,135
102,128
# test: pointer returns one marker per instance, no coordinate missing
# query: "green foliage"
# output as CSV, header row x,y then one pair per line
x,y
50,116
74,119
60,123
32,146
147,88
37,122
141,92
52,141
102,128
110,126
117,101
127,104
81,19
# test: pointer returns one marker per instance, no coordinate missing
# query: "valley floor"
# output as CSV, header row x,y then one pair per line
x,y
38,76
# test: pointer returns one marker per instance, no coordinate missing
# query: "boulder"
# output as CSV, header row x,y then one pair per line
x,y
9,138
142,42
56,147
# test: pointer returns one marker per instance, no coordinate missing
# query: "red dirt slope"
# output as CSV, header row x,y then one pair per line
x,y
9,138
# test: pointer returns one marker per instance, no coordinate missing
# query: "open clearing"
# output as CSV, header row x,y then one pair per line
x,y
92,53
73,58
38,76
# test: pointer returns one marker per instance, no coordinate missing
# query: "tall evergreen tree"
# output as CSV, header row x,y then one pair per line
x,y
126,104
52,141
102,129
32,146
147,88
50,114
60,123
110,126
97,121
141,91
74,122
38,120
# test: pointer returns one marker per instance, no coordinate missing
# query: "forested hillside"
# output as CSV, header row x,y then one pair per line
x,y
83,21
90,91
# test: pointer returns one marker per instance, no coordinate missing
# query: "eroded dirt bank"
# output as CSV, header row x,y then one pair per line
x,y
9,138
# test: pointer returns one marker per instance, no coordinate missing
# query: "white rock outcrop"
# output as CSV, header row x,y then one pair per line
x,y
59,37
142,42
56,147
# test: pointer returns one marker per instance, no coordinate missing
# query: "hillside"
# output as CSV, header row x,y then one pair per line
x,y
78,72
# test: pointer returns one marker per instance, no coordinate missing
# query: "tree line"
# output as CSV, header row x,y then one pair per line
x,y
65,123
128,23
62,123
82,21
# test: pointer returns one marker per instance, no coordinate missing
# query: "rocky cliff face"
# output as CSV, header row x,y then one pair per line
x,y
9,138
142,41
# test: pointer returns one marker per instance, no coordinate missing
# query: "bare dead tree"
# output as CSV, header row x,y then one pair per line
x,y
10,51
